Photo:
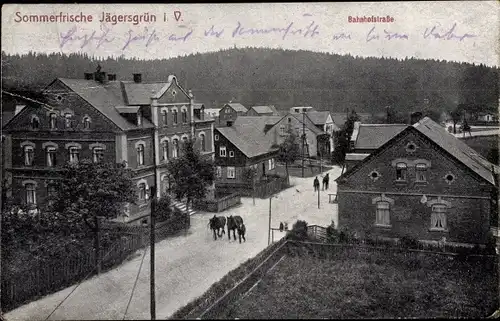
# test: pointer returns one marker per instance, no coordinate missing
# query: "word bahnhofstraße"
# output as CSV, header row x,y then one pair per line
x,y
372,19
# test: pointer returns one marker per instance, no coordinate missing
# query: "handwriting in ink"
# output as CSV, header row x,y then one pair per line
x,y
183,38
145,35
448,35
311,30
213,32
71,36
342,36
373,35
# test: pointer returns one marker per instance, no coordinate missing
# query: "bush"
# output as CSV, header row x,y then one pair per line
x,y
409,242
348,237
298,231
164,209
332,235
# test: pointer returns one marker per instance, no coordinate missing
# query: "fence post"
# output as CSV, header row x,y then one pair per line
x,y
98,244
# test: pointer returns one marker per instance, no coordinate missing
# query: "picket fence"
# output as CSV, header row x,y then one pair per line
x,y
46,277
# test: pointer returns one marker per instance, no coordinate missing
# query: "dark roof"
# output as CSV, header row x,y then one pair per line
x,y
7,116
238,107
448,143
127,109
372,136
248,135
265,110
141,93
457,148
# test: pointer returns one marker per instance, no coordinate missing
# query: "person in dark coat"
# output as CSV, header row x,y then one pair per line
x,y
316,184
281,226
326,180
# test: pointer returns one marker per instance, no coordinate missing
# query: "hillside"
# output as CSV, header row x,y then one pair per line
x,y
284,78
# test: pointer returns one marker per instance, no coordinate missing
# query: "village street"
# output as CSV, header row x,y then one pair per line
x,y
186,266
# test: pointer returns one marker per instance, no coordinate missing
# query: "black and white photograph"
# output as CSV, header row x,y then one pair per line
x,y
329,160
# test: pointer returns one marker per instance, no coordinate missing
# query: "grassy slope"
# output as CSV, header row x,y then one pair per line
x,y
377,286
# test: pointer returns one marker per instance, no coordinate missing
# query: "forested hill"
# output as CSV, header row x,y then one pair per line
x,y
285,78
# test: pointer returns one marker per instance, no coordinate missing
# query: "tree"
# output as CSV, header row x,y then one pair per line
x,y
88,190
456,116
192,174
289,151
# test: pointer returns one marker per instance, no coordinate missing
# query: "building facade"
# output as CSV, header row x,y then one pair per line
x,y
422,183
105,120
244,145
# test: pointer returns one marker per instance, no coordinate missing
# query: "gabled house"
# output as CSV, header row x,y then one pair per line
x,y
229,112
423,183
105,120
317,141
263,111
247,143
323,120
487,117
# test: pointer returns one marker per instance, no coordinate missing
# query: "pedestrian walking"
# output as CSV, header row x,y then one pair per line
x,y
282,227
316,184
326,180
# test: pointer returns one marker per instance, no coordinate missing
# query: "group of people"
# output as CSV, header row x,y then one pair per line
x,y
326,180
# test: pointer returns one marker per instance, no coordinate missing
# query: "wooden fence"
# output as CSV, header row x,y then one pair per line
x,y
219,204
46,277
267,189
317,232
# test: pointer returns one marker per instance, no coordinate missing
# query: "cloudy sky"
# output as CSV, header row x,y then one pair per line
x,y
458,30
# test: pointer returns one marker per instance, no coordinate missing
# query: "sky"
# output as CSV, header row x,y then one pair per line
x,y
465,31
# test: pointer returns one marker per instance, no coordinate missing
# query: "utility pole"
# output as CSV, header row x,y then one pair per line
x,y
152,253
303,139
319,189
269,230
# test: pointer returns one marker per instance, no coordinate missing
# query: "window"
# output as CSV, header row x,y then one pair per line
x,y
175,151
68,121
74,154
401,171
53,121
51,193
175,116
142,192
231,172
449,178
231,153
140,154
421,169
271,163
51,156
216,137
228,111
219,171
139,118
164,150
438,217
374,175
35,123
86,122
282,130
30,193
164,118
222,151
383,214
98,154
203,143
184,116
29,155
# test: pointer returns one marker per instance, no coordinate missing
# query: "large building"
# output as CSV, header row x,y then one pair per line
x,y
100,118
424,183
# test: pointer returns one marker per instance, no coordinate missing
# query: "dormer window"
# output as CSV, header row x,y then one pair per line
x,y
53,121
86,122
139,118
68,120
35,123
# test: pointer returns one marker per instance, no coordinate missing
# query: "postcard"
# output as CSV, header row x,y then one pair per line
x,y
250,160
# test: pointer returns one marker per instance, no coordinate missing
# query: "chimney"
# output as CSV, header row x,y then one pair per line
x,y
89,76
111,77
137,78
100,76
